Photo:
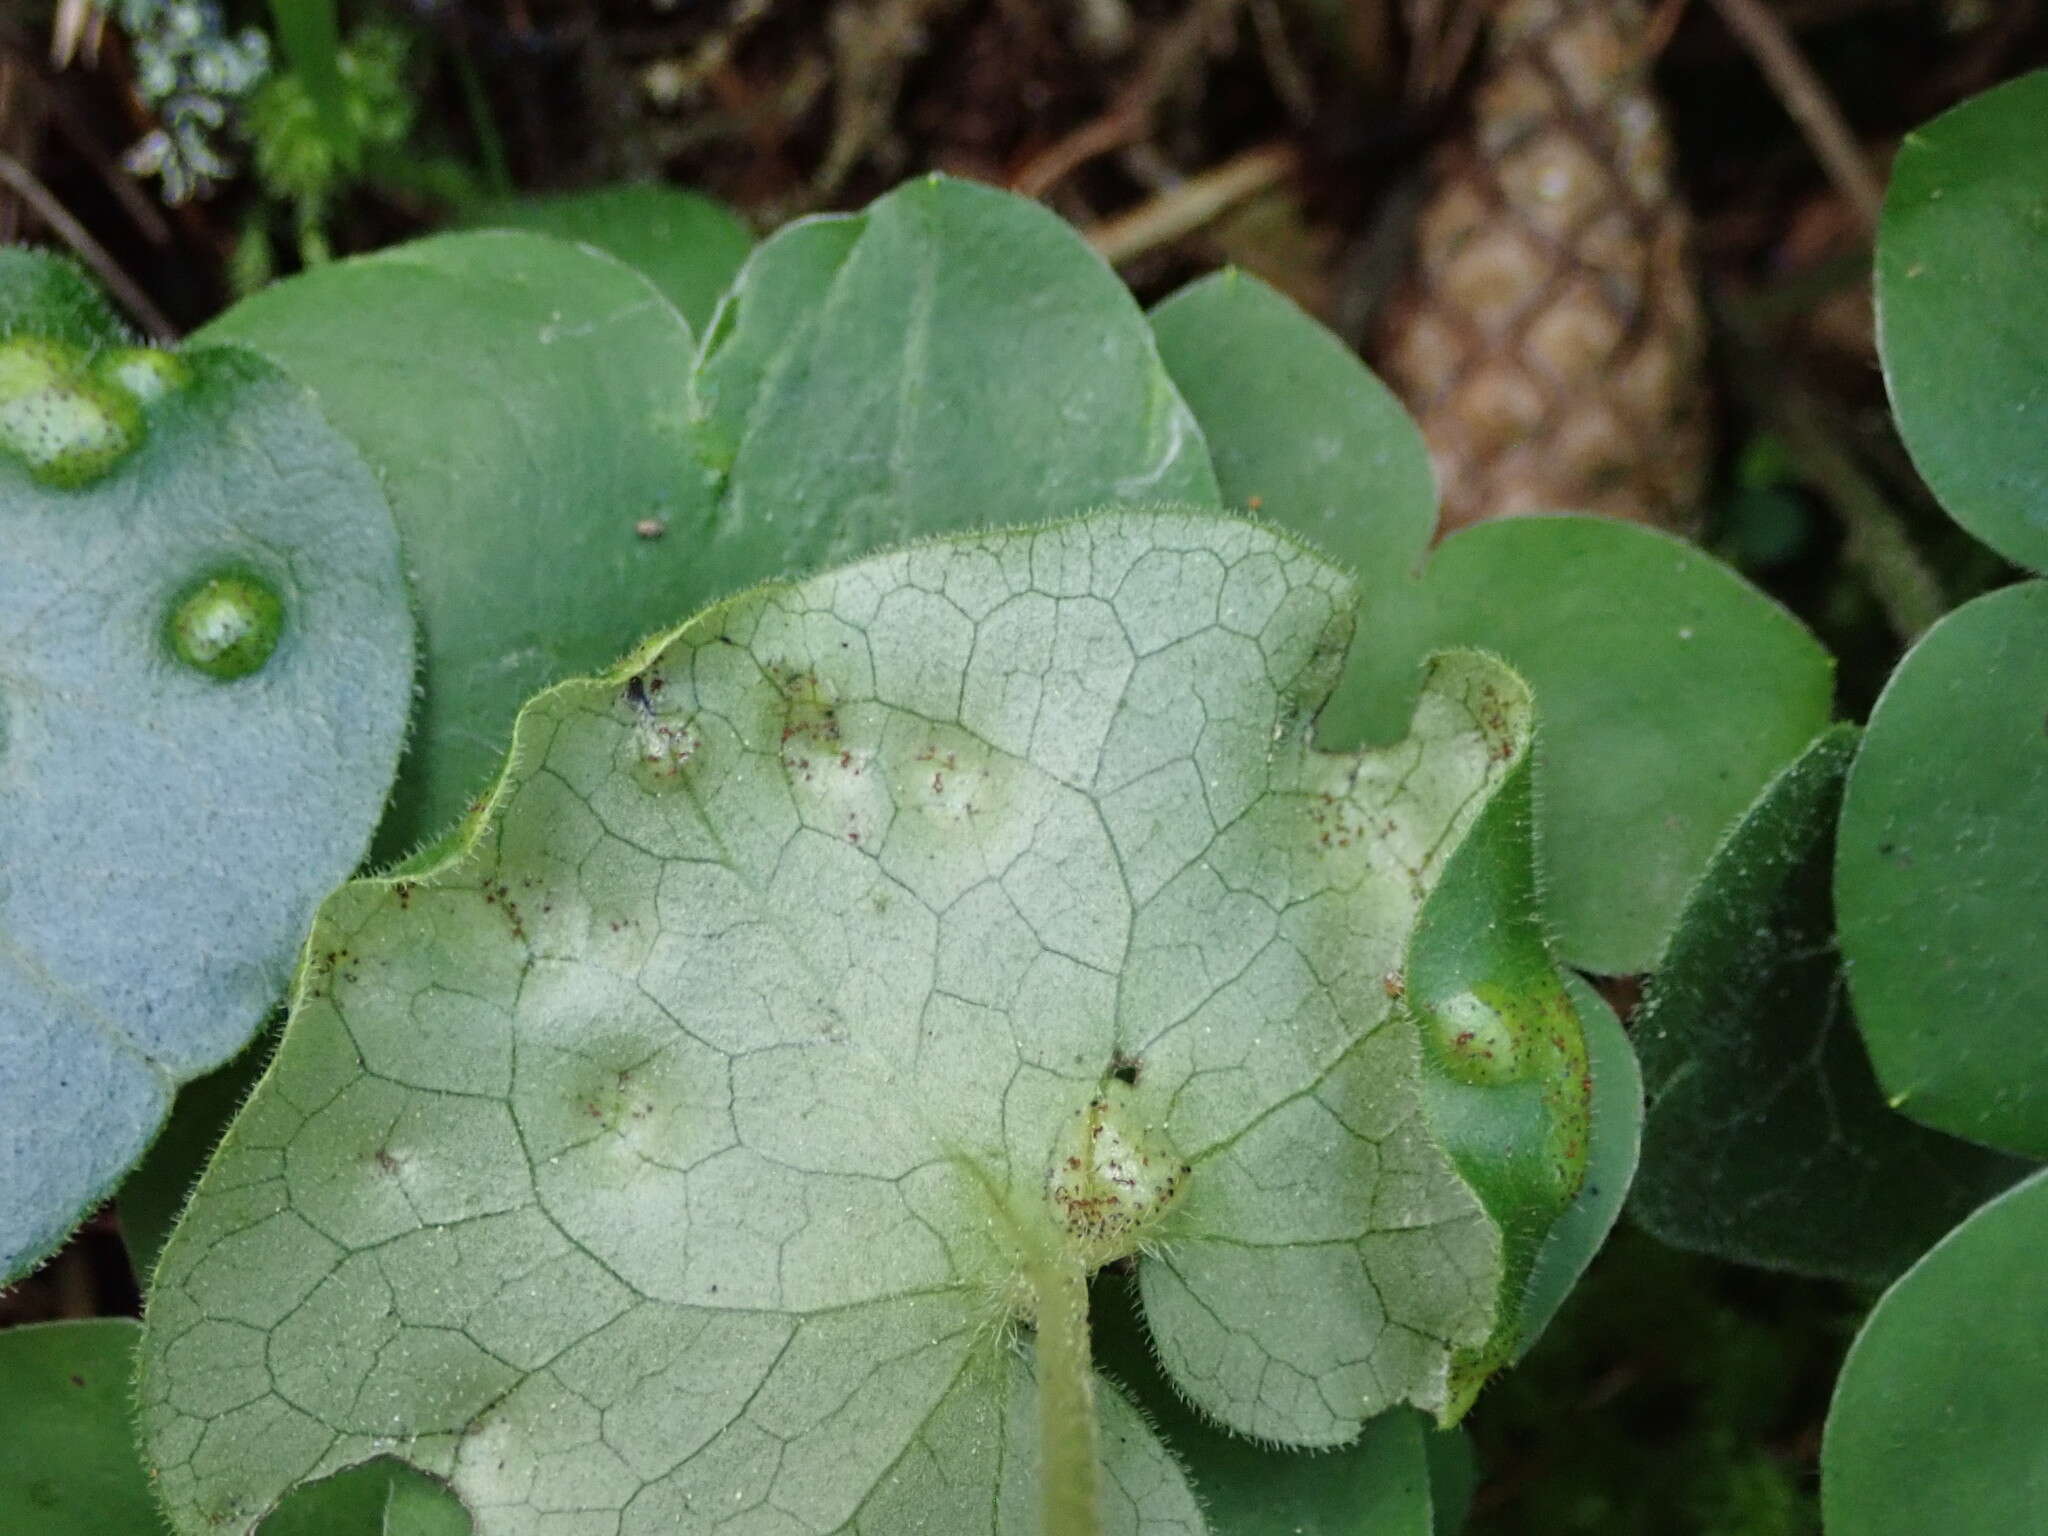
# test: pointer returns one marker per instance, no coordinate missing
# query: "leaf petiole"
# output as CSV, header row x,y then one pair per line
x,y
1069,1469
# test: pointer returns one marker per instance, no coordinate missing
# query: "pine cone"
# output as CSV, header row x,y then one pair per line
x,y
1548,334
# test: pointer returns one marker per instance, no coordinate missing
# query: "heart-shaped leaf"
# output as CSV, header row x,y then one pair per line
x,y
1936,1422
821,996
1962,307
523,400
1671,688
202,594
1941,876
1768,1141
688,245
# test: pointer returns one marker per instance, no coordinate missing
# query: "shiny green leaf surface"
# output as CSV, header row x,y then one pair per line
x,y
688,245
1962,305
1299,430
1936,1423
68,1464
382,1497
1941,876
951,358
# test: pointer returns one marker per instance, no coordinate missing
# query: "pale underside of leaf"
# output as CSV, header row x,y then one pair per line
x,y
672,1153
166,835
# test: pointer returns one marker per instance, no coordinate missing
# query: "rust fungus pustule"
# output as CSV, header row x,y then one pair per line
x,y
1112,1177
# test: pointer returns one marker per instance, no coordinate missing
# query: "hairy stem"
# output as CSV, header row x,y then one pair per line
x,y
1069,1470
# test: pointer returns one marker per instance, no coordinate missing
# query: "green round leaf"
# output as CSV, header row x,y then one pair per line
x,y
1941,879
1670,689
688,245
523,399
1299,430
1962,306
1768,1140
166,830
954,357
68,1464
700,1126
1936,1423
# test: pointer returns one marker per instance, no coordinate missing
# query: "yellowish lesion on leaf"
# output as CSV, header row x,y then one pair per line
x,y
69,415
1111,1178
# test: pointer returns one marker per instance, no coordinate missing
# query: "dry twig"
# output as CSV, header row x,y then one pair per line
x,y
1182,209
1129,117
24,184
1809,103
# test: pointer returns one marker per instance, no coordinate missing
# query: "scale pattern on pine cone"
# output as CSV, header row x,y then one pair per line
x,y
1547,334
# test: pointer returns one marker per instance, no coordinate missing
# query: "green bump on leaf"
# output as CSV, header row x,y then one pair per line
x,y
1671,688
1111,1178
695,1136
225,625
64,425
1506,1082
1936,1419
521,399
1614,1138
72,391
1769,1141
145,933
1941,876
145,373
